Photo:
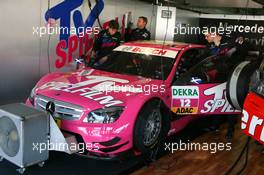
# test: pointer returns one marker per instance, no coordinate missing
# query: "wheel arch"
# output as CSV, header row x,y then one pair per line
x,y
164,110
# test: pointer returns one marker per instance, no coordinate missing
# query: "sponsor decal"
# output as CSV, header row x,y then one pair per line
x,y
185,99
68,13
67,10
218,101
253,126
147,51
94,92
252,29
85,72
203,99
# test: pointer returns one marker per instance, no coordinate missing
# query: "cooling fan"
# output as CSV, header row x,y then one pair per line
x,y
20,128
9,137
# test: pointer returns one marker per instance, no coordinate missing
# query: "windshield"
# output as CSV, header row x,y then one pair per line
x,y
148,66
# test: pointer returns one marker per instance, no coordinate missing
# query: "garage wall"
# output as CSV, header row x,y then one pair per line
x,y
19,50
23,55
186,18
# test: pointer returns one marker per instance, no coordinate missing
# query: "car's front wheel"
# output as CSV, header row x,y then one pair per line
x,y
150,128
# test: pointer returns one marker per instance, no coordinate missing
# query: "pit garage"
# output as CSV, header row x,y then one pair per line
x,y
132,87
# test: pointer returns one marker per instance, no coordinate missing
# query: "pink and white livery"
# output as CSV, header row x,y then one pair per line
x,y
135,97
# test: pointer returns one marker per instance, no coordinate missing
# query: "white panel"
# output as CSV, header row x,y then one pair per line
x,y
161,24
19,49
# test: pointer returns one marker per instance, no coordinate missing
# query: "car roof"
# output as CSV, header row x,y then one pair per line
x,y
176,46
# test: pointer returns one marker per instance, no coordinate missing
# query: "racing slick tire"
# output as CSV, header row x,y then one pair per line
x,y
238,83
151,127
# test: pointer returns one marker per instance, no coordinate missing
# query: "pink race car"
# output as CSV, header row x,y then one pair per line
x,y
132,99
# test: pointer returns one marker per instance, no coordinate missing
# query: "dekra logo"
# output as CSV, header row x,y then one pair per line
x,y
185,92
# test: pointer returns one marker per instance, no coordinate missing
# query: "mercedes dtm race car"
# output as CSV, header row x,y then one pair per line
x,y
139,94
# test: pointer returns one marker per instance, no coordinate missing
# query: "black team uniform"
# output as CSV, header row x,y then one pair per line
x,y
105,43
137,34
234,57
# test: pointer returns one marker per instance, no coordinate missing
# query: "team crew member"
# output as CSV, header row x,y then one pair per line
x,y
217,44
236,52
106,41
225,46
140,33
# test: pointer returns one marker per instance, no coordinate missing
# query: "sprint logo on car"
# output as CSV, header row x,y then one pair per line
x,y
185,99
218,101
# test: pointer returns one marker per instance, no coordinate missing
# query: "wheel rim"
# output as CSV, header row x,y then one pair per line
x,y
152,128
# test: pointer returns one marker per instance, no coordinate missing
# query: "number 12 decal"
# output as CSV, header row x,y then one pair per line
x,y
185,102
185,99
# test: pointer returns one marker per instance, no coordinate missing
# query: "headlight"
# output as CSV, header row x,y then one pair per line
x,y
257,82
32,95
104,116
